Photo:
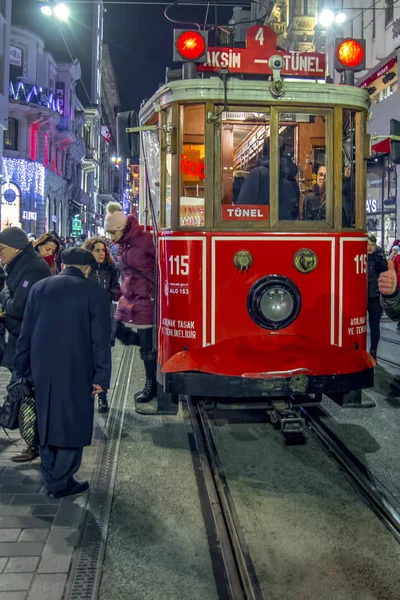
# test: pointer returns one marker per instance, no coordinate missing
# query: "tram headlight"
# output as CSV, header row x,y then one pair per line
x,y
274,302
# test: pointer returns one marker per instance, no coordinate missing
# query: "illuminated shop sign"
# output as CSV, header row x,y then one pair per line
x,y
372,205
29,216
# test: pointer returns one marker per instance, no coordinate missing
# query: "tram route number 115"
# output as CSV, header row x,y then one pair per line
x,y
179,265
361,263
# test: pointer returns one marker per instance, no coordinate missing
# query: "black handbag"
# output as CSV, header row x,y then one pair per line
x,y
9,413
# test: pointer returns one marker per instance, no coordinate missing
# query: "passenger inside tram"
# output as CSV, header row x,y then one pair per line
x,y
255,190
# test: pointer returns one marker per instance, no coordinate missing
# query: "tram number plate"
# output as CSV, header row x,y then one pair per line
x,y
245,212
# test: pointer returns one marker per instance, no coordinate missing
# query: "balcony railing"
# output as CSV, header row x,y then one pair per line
x,y
34,94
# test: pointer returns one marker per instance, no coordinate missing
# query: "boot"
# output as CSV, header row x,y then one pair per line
x,y
103,402
125,335
150,387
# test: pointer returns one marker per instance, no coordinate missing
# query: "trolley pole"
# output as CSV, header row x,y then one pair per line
x,y
347,78
189,70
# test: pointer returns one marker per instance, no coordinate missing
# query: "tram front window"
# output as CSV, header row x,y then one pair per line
x,y
302,185
245,166
349,175
192,166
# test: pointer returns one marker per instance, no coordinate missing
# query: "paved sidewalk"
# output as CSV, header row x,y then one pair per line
x,y
38,534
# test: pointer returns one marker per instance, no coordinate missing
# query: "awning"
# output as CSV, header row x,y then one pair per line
x,y
382,147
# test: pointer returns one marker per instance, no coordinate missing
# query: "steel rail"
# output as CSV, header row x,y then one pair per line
x,y
243,584
381,501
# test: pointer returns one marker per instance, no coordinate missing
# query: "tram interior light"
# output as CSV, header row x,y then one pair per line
x,y
349,54
190,46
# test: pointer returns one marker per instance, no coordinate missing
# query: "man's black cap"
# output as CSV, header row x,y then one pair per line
x,y
78,256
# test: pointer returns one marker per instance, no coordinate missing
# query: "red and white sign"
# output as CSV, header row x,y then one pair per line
x,y
245,212
260,47
389,65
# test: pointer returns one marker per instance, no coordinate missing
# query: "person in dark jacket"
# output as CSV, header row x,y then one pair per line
x,y
255,189
377,264
136,306
65,376
106,275
24,267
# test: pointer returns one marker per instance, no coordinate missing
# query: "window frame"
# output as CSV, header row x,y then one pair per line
x,y
15,141
274,224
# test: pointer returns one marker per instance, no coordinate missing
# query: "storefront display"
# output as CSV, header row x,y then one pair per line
x,y
381,200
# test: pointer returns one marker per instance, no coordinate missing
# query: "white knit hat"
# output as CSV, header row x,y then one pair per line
x,y
115,219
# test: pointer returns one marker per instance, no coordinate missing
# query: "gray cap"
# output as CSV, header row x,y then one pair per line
x,y
14,237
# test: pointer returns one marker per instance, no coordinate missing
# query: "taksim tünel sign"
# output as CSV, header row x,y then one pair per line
x,y
260,47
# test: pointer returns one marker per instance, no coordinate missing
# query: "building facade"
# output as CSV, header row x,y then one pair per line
x,y
5,55
43,144
379,24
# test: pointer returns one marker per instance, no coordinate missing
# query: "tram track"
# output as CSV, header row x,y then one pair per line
x,y
242,574
381,501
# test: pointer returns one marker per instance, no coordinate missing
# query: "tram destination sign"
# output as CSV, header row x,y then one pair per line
x,y
254,59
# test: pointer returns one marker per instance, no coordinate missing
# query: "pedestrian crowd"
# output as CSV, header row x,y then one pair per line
x,y
91,292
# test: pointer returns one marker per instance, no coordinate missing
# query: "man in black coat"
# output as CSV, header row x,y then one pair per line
x,y
64,350
24,267
255,189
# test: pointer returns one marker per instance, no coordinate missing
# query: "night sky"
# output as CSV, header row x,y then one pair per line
x,y
139,37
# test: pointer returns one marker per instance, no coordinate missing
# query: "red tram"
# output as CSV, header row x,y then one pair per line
x,y
258,199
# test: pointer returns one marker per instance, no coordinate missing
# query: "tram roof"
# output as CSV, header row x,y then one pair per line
x,y
306,93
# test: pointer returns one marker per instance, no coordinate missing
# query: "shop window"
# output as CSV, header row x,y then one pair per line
x,y
245,166
302,185
11,135
10,205
192,166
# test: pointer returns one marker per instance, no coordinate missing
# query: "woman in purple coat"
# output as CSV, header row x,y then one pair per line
x,y
136,258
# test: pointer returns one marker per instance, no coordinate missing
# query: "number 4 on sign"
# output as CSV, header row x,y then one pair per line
x,y
260,36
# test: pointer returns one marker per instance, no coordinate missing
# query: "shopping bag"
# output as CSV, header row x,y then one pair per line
x,y
28,422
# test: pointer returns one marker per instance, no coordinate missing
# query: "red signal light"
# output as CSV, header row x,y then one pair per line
x,y
191,45
350,53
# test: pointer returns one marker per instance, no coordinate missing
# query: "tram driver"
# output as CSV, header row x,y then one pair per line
x,y
255,189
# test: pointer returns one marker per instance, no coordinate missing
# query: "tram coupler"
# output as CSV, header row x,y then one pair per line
x,y
353,399
286,419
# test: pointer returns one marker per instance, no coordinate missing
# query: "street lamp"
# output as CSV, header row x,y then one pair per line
x,y
59,10
327,18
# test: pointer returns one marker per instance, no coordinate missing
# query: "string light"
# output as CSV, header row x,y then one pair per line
x,y
25,173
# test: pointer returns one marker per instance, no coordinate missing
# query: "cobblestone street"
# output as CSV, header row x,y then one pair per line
x,y
38,534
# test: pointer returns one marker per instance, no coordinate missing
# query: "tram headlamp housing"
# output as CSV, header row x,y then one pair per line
x,y
274,302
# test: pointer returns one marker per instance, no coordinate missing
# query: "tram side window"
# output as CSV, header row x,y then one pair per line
x,y
302,167
168,174
349,171
245,166
192,166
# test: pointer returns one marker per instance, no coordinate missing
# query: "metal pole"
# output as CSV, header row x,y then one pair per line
x,y
189,70
347,78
